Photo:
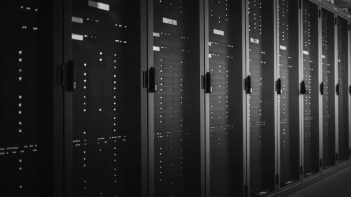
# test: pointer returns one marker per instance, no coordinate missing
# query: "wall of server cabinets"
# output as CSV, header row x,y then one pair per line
x,y
172,98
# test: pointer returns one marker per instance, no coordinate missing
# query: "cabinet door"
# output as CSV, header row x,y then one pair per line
x,y
310,77
175,146
103,140
288,91
342,88
261,100
328,77
226,100
26,117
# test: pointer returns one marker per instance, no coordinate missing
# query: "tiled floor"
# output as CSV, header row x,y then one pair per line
x,y
337,185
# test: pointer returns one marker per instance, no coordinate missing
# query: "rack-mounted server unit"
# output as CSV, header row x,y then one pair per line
x,y
329,89
261,97
310,71
26,117
174,115
224,63
102,98
342,89
287,88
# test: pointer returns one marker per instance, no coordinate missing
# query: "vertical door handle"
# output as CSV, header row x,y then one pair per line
x,y
151,79
248,85
337,89
278,85
303,88
207,82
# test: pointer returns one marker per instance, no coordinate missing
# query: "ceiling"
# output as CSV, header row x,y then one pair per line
x,y
343,3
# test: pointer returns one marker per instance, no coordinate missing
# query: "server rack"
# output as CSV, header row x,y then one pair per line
x,y
174,93
260,83
328,77
27,115
287,88
102,98
311,101
224,64
109,151
342,88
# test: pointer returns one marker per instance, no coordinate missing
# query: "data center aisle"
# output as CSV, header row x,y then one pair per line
x,y
338,184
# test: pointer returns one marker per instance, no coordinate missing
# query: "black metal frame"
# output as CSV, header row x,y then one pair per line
x,y
150,106
144,98
67,102
58,108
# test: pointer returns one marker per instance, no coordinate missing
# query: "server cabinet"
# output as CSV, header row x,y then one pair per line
x,y
310,39
342,88
287,88
225,60
328,77
260,85
26,117
102,98
174,115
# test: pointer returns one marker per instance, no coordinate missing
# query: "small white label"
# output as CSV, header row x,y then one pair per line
x,y
218,32
169,21
156,48
305,52
156,34
323,56
77,19
209,55
77,37
256,41
283,47
99,5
